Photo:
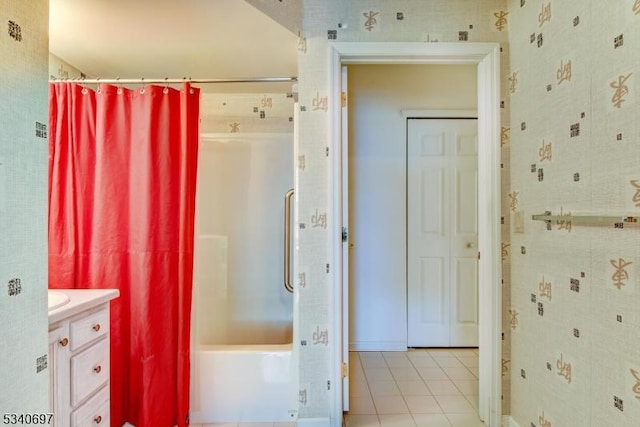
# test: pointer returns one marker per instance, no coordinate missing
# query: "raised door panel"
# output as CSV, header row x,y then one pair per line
x,y
89,371
95,412
428,223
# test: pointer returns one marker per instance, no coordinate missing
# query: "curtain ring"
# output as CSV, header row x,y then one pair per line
x,y
84,88
142,88
166,85
98,84
119,91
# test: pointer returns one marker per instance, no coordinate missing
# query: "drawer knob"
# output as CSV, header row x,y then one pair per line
x,y
97,369
96,327
97,419
64,341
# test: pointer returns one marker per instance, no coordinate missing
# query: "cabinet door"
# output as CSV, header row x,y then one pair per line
x,y
93,413
59,375
89,371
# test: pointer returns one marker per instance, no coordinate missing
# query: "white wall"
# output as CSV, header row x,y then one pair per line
x,y
239,295
377,188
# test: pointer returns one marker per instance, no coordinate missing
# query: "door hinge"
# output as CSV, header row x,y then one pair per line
x,y
345,370
343,99
478,255
345,234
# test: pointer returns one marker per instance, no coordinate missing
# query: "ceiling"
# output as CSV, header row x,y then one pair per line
x,y
175,39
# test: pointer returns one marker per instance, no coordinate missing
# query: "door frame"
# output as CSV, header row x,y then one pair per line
x,y
487,57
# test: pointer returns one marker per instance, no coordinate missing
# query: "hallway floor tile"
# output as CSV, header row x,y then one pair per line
x,y
414,388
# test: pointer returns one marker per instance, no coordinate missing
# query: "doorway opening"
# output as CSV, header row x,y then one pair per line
x,y
486,56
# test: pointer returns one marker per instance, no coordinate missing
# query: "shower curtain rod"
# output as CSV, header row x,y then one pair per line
x,y
184,80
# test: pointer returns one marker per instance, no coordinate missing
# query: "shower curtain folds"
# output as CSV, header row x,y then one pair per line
x,y
122,174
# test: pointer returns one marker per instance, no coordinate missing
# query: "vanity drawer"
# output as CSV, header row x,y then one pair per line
x,y
88,328
95,412
89,370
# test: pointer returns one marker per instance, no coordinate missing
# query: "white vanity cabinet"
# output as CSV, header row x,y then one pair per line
x,y
79,359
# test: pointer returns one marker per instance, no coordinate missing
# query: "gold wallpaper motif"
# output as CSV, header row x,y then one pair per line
x,y
545,15
319,220
636,388
370,21
621,90
544,153
505,366
234,127
302,280
564,224
513,82
636,7
302,43
320,336
501,20
545,289
564,72
636,197
514,318
621,274
564,369
505,251
266,102
320,103
504,136
543,421
513,204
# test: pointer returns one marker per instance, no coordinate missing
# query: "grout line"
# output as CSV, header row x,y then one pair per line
x,y
419,378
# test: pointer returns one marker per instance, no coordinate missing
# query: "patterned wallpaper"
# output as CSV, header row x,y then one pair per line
x,y
61,69
363,21
246,113
23,206
574,318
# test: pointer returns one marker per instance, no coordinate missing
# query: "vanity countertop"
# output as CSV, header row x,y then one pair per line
x,y
80,300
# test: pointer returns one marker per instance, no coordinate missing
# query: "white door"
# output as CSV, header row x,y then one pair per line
x,y
442,283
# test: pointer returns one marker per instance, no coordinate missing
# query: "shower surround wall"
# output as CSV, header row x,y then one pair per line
x,y
325,21
23,206
575,149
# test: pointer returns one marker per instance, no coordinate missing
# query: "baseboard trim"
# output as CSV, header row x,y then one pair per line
x,y
313,422
378,346
508,421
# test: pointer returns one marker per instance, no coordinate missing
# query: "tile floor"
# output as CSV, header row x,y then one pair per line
x,y
415,388
245,425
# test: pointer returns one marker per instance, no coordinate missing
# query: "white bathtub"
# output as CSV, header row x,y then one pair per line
x,y
244,383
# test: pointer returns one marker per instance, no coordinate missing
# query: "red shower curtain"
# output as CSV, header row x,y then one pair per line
x,y
122,175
